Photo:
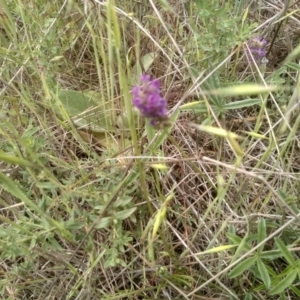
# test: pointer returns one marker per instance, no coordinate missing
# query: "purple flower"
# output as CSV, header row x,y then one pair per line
x,y
147,98
256,47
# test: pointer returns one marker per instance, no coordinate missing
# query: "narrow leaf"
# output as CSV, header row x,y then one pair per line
x,y
242,104
242,247
284,283
158,221
293,55
215,131
103,223
15,160
261,234
193,104
159,166
264,274
248,296
243,89
245,15
124,214
235,145
165,133
271,255
197,107
217,249
161,215
256,135
151,248
285,252
243,266
295,290
233,238
294,66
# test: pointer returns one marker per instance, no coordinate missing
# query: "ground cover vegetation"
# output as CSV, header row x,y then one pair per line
x,y
149,149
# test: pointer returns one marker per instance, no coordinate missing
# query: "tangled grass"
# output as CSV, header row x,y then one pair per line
x,y
96,203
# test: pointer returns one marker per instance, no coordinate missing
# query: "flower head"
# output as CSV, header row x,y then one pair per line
x,y
256,47
147,98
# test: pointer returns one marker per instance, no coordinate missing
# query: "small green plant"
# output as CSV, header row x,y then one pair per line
x,y
259,263
217,29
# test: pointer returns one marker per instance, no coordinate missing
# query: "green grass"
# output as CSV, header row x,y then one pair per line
x,y
97,204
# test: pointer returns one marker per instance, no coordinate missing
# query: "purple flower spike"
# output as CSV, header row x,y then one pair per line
x,y
257,46
147,98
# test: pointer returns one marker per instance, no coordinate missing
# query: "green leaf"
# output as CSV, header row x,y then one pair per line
x,y
245,15
231,136
165,133
90,108
264,273
242,245
284,283
47,185
243,266
198,107
216,131
75,102
161,215
147,61
295,290
242,104
271,255
285,252
293,66
233,238
72,224
256,135
151,253
159,166
11,187
261,234
217,249
142,66
15,160
124,214
248,296
293,55
8,21
211,84
183,280
103,223
122,202
243,89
